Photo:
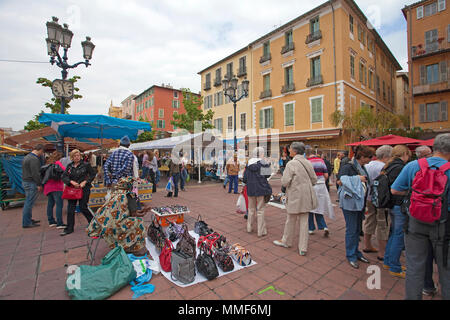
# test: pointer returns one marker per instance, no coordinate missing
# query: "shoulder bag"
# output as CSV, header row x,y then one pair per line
x,y
156,234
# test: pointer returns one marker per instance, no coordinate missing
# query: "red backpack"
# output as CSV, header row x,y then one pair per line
x,y
429,191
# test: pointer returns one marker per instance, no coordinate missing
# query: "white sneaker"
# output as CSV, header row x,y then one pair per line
x,y
280,244
311,232
52,225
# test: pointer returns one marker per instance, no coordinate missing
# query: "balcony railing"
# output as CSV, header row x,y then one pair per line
x,y
435,47
207,86
314,81
313,36
242,71
431,88
217,82
288,88
265,58
265,94
287,48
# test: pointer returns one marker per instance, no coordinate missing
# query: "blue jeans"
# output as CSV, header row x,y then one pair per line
x,y
353,221
55,197
227,180
183,177
321,224
145,171
31,194
233,182
396,242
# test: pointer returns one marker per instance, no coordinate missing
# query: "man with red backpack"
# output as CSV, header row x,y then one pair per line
x,y
427,208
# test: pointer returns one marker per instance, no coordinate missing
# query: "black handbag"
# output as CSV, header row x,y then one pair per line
x,y
206,266
156,234
187,243
199,224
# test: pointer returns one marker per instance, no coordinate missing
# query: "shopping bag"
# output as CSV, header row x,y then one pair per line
x,y
240,204
188,177
169,186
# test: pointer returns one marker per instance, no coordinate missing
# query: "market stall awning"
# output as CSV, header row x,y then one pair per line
x,y
93,126
167,143
389,140
429,142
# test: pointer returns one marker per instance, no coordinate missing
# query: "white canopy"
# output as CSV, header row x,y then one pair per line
x,y
167,143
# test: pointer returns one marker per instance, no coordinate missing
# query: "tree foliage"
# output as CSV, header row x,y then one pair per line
x,y
146,135
34,124
192,104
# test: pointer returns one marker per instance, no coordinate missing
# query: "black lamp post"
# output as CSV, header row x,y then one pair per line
x,y
62,88
230,90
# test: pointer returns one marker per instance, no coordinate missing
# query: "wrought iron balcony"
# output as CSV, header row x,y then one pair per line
x,y
265,94
315,81
431,88
313,36
288,88
439,46
265,58
287,48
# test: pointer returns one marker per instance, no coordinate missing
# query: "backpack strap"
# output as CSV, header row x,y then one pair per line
x,y
445,167
423,164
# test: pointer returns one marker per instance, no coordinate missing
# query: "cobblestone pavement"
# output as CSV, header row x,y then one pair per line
x,y
33,262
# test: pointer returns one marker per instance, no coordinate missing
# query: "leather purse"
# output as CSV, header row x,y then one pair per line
x,y
156,234
206,266
187,243
223,260
71,193
165,256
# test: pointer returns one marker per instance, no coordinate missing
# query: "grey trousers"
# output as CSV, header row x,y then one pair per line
x,y
416,246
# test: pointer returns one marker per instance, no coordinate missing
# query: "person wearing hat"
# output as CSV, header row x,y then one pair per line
x,y
121,163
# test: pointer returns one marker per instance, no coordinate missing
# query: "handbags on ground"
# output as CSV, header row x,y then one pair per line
x,y
156,234
206,266
183,267
187,243
223,260
71,193
174,231
165,256
241,255
201,227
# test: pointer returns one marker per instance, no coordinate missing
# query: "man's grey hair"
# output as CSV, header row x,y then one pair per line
x,y
298,147
422,151
384,152
442,143
308,151
258,152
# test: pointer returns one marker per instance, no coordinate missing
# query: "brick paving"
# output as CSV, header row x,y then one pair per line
x,y
33,262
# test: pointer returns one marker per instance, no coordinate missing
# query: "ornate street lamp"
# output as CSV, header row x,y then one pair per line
x,y
60,36
230,90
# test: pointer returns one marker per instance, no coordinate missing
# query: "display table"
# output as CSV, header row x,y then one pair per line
x,y
98,193
163,219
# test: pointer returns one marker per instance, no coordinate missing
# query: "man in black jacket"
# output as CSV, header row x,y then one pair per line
x,y
31,181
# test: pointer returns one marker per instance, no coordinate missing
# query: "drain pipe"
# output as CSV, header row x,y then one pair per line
x,y
410,75
334,57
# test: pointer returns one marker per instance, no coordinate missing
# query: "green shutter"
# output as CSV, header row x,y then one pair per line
x,y
271,117
316,110
261,119
444,111
289,115
422,113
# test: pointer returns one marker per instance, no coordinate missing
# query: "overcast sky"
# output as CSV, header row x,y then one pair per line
x,y
141,43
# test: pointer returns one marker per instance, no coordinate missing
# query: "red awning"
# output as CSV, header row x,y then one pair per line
x,y
389,140
429,142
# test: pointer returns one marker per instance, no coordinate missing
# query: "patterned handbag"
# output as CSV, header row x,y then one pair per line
x,y
223,260
174,231
156,234
187,243
241,255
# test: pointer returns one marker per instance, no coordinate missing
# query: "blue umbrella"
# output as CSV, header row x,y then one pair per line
x,y
93,126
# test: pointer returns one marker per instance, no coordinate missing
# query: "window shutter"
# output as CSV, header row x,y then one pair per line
x,y
422,113
422,72
443,70
419,12
271,117
261,119
444,111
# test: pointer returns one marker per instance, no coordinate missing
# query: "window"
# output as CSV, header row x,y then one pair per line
x,y
384,90
175,94
243,121
229,70
175,104
352,66
360,32
289,114
208,102
432,73
431,43
316,110
288,38
266,118
266,82
431,9
160,124
314,25
370,79
315,68
208,79
419,12
230,123
219,75
350,21
218,98
218,124
288,76
160,113
242,65
448,33
266,49
441,5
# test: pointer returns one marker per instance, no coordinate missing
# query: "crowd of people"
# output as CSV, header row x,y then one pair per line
x,y
305,182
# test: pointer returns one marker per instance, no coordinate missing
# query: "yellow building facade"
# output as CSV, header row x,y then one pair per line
x,y
327,59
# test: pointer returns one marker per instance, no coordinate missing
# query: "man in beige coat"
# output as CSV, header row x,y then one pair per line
x,y
298,178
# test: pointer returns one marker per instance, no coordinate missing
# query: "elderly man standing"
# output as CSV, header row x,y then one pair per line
x,y
233,173
121,163
423,152
298,178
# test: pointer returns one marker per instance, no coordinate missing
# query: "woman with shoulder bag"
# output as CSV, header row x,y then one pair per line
x,y
353,180
53,189
78,175
298,179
